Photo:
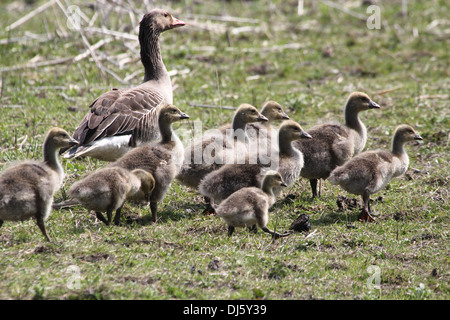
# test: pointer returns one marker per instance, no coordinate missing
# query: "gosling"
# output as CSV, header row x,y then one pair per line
x,y
162,159
370,171
335,143
218,148
107,189
220,184
248,207
27,188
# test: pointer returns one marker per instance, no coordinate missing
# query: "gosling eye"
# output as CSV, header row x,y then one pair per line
x,y
166,15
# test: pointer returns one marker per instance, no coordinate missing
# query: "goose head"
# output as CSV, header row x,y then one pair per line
x,y
147,181
405,133
59,138
359,101
247,113
291,130
273,111
170,114
273,179
159,20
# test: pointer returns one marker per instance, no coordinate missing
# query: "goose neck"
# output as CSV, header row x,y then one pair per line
x,y
397,147
151,55
285,145
166,131
51,155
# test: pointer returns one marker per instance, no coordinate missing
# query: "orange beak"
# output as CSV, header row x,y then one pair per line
x,y
177,23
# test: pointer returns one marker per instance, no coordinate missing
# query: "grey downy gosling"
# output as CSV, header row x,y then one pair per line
x,y
107,189
162,159
335,143
264,133
220,184
230,139
27,188
370,171
248,207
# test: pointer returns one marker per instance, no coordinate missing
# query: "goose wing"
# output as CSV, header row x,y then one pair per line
x,y
119,112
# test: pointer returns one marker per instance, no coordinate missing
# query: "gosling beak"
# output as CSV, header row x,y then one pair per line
x,y
284,116
72,142
373,105
262,118
417,137
183,116
177,23
306,135
283,184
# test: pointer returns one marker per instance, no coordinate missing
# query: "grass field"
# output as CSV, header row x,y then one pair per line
x,y
233,52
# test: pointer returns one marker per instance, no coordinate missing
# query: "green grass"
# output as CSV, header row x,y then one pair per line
x,y
333,54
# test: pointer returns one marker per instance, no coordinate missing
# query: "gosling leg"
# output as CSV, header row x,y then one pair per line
x,y
276,235
313,183
109,213
365,214
154,209
101,217
41,225
117,216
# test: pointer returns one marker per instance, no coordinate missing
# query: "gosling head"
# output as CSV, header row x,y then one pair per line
x,y
273,111
291,130
147,181
360,101
405,133
59,138
158,20
170,114
273,179
247,113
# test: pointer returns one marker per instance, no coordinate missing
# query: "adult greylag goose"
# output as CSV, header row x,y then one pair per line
x,y
220,184
107,189
248,207
335,143
163,159
27,188
217,147
370,171
123,118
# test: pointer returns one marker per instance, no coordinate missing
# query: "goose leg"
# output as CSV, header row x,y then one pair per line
x,y
154,208
365,214
209,206
109,213
101,217
313,183
117,216
41,225
276,235
253,228
230,230
1,223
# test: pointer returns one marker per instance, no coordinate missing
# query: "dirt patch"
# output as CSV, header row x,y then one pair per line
x,y
97,257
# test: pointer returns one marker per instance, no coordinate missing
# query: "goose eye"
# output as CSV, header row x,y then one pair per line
x,y
166,15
